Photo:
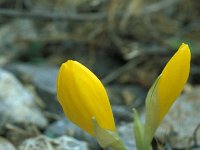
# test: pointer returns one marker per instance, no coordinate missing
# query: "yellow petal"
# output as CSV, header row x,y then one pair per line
x,y
82,96
173,79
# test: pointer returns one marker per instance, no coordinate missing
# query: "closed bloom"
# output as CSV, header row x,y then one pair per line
x,y
173,79
166,89
82,97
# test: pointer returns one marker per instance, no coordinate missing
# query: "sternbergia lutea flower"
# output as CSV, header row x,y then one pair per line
x,y
166,89
82,97
173,78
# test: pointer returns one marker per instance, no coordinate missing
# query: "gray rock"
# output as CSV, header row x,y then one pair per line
x,y
45,143
181,122
65,127
126,134
17,104
6,145
43,77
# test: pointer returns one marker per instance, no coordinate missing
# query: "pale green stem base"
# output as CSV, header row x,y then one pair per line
x,y
107,138
118,145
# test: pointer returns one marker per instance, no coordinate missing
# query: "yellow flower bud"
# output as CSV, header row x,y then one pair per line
x,y
173,79
82,97
165,90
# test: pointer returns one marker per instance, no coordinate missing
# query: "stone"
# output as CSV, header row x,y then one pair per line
x,y
182,122
66,127
43,77
6,145
126,135
46,143
17,104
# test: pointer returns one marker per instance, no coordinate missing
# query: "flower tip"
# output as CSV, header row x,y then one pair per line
x,y
68,62
184,46
185,50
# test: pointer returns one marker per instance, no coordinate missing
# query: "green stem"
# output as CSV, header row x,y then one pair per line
x,y
107,138
147,147
118,145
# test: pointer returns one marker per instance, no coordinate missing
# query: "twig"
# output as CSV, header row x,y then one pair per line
x,y
155,7
195,136
115,74
15,128
51,15
152,8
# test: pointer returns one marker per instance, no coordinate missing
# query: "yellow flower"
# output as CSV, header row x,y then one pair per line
x,y
173,79
82,97
165,90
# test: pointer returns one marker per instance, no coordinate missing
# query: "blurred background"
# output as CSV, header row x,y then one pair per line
x,y
126,43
